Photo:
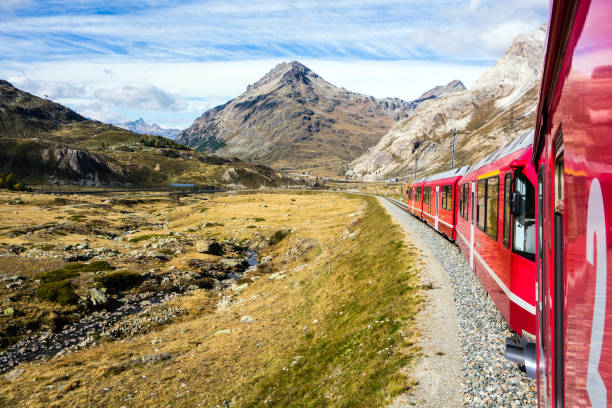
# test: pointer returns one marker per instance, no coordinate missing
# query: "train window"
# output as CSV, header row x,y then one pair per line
x,y
427,199
447,197
486,211
480,203
492,204
417,197
465,197
507,192
524,223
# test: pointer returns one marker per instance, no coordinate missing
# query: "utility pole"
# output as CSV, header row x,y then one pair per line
x,y
453,157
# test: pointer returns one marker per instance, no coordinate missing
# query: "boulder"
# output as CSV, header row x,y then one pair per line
x,y
209,246
97,297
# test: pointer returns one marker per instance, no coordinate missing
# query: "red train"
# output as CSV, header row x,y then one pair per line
x,y
488,209
534,219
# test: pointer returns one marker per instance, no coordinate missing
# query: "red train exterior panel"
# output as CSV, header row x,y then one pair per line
x,y
573,155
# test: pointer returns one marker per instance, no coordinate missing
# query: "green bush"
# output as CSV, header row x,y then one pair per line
x,y
56,275
120,280
91,267
61,292
72,270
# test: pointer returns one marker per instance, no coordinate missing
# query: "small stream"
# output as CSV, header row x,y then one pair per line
x,y
83,332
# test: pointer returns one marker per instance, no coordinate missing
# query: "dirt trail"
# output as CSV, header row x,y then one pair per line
x,y
438,372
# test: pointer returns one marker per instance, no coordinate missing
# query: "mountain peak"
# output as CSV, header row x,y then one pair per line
x,y
441,90
285,72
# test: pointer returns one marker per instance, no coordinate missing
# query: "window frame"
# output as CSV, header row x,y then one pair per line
x,y
463,200
527,255
447,197
507,222
496,236
485,206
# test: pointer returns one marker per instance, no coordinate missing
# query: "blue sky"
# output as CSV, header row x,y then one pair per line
x,y
168,61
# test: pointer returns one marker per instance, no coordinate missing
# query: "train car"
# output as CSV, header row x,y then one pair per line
x,y
572,152
496,230
440,200
415,197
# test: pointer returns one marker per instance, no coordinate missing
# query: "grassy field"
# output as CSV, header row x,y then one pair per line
x,y
328,320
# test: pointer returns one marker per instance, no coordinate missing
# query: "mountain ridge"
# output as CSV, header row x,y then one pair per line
x,y
292,118
497,108
144,128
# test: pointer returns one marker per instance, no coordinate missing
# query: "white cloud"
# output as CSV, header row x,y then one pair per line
x,y
100,112
146,97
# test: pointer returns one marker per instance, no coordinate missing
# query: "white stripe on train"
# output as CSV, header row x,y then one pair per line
x,y
512,296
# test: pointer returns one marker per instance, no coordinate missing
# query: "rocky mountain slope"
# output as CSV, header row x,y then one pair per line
x,y
497,108
42,142
141,127
294,119
23,114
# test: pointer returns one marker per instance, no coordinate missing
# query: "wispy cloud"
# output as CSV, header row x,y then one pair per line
x,y
153,56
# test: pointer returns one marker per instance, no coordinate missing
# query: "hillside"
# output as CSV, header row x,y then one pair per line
x,y
42,142
294,119
497,108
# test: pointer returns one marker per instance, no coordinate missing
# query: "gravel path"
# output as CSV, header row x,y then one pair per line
x,y
489,379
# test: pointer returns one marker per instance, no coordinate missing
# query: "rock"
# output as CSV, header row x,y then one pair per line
x,y
9,312
13,374
232,262
224,331
157,341
277,275
97,297
266,259
248,319
14,284
209,247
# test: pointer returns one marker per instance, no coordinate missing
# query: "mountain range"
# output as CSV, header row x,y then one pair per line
x,y
293,119
141,127
42,142
497,108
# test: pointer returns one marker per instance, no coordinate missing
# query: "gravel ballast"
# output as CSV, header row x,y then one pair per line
x,y
489,379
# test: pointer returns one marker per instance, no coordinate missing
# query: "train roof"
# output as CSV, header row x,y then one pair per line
x,y
523,141
458,172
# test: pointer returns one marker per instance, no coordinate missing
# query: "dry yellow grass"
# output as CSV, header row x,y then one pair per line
x,y
333,330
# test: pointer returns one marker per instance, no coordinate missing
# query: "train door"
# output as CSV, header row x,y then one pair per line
x,y
437,203
558,302
523,238
472,229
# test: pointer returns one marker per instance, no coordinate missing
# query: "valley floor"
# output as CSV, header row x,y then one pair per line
x,y
178,313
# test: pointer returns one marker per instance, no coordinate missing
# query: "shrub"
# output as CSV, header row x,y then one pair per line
x,y
144,237
94,266
61,292
72,270
57,275
279,235
120,280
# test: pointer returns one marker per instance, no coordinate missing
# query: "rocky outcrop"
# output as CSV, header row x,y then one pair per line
x,y
80,166
295,119
496,109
